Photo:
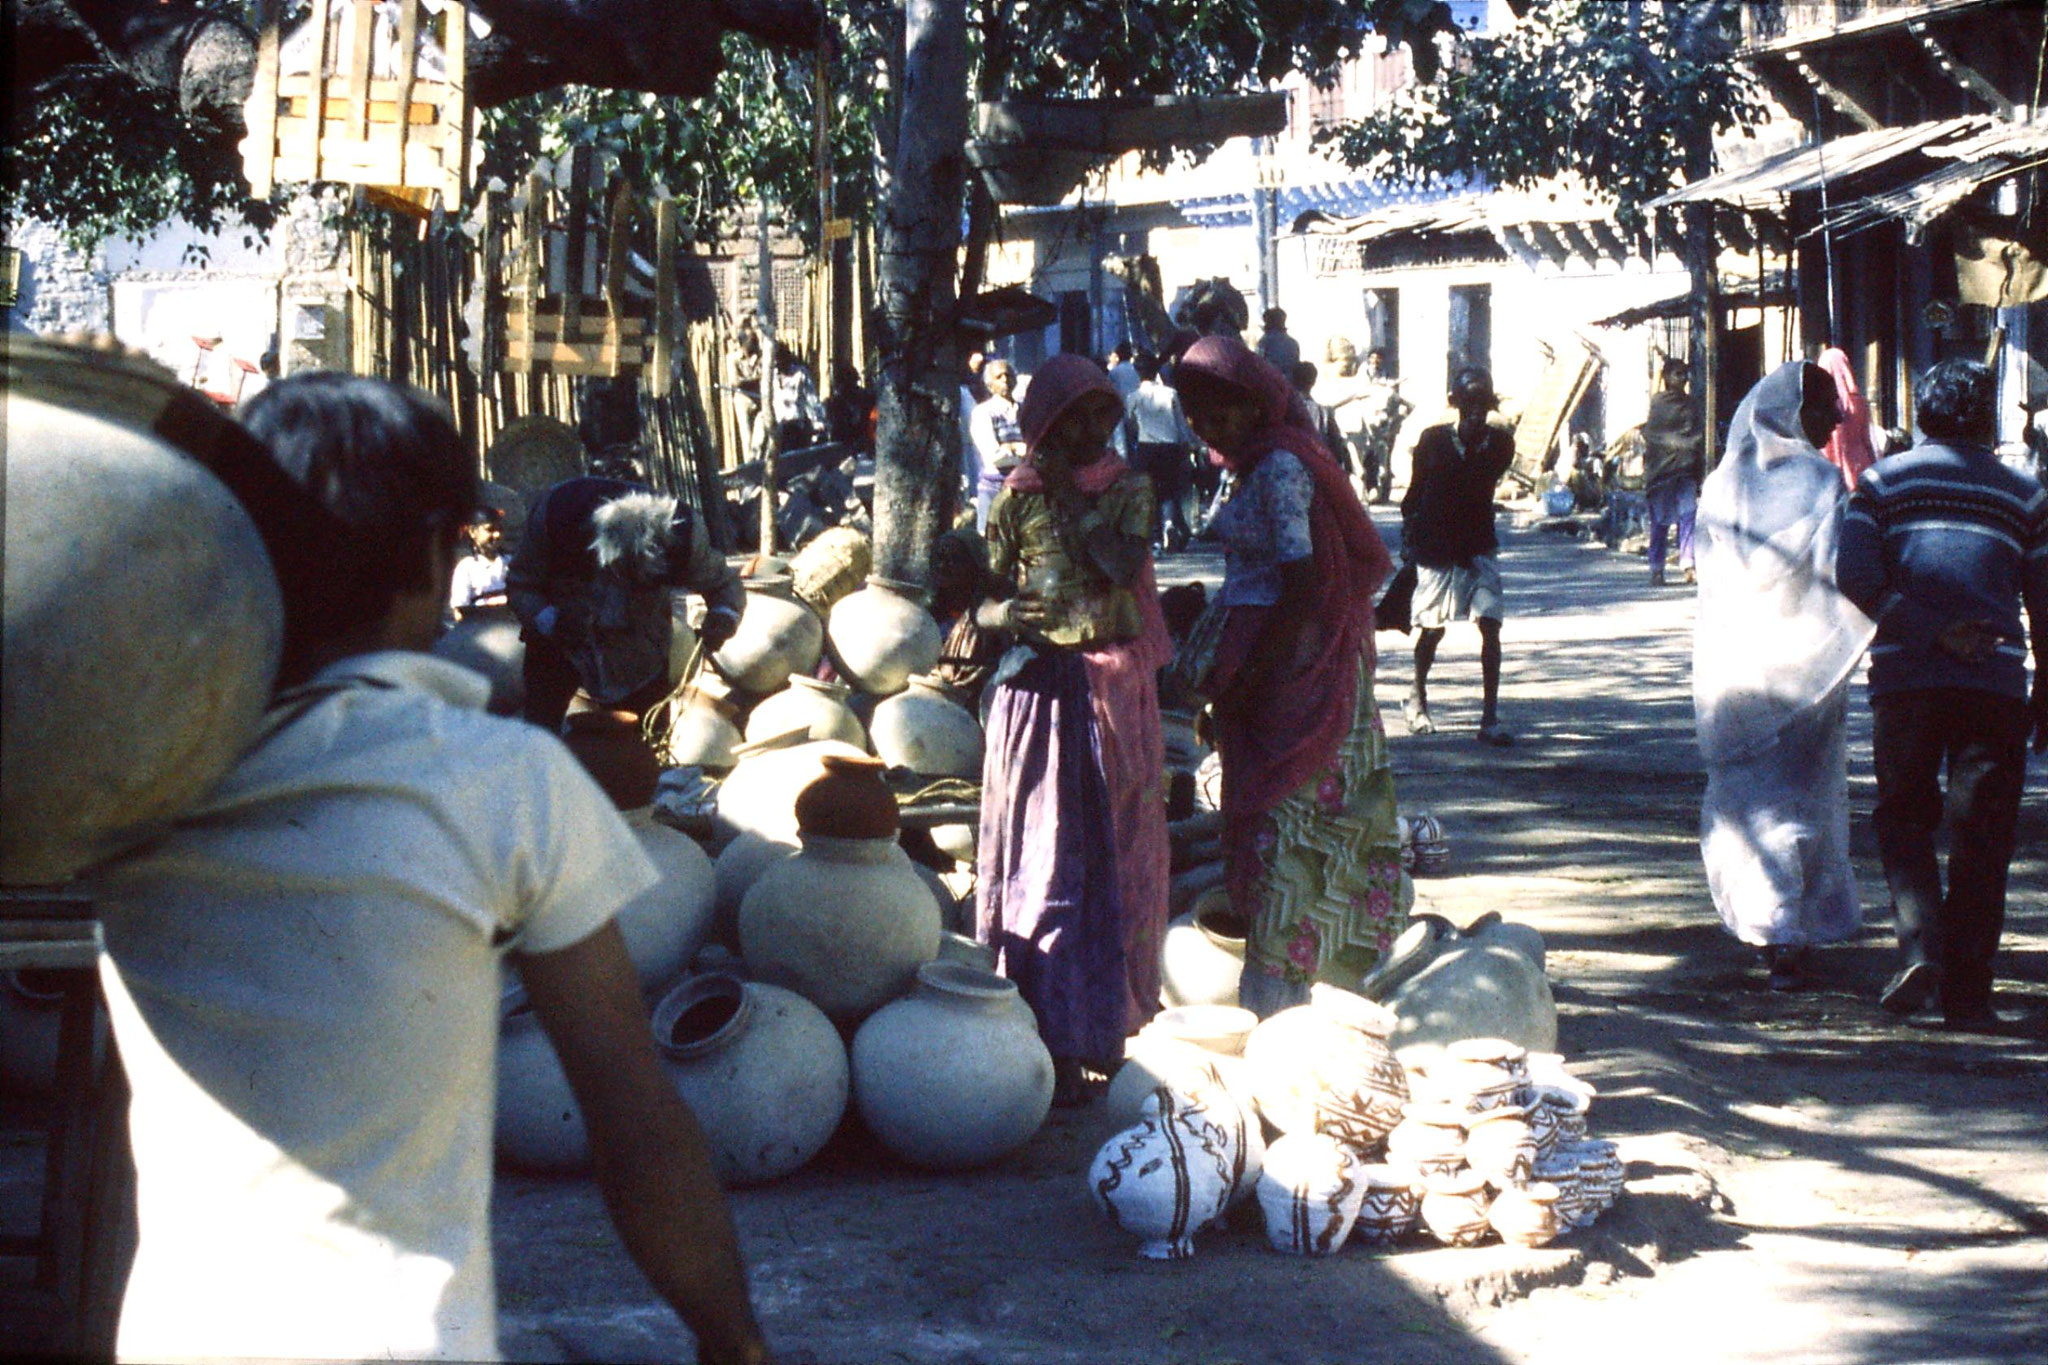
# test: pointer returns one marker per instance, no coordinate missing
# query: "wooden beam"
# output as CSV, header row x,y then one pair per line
x,y
1547,241
1575,236
1967,77
1832,93
1610,240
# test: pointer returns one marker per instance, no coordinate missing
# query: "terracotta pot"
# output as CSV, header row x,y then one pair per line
x,y
612,749
1454,1208
760,793
489,644
142,623
808,704
704,727
665,926
1164,1179
1393,1197
883,634
539,1127
846,923
1310,1193
1325,1067
848,800
1527,1216
954,1075
777,636
923,728
1203,955
763,1071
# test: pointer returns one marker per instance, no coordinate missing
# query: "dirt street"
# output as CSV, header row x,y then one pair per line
x,y
1808,1180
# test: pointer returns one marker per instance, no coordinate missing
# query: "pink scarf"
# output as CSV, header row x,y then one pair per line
x,y
1849,449
1273,746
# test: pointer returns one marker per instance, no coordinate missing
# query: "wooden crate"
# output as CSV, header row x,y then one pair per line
x,y
400,133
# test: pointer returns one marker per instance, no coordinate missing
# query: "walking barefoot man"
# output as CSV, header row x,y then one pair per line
x,y
1447,529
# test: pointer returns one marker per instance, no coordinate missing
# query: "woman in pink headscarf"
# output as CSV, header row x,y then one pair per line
x,y
1073,856
1849,449
1310,826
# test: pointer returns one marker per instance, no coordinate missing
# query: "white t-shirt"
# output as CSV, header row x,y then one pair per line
x,y
304,981
1154,408
475,579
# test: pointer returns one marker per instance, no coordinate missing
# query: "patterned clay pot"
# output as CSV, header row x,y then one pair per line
x,y
1479,1074
808,704
665,926
1569,1107
925,729
704,727
777,636
1325,1067
845,923
883,635
1392,1200
954,1075
1500,1146
1310,1193
1431,1139
1454,1208
1203,957
1156,1060
1544,1128
1526,1216
1204,1091
1600,1173
539,1127
489,643
1561,1171
762,1069
760,794
1548,1069
1164,1179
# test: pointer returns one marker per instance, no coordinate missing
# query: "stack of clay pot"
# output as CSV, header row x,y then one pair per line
x,y
1483,981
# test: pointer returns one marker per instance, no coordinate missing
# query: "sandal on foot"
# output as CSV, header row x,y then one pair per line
x,y
1417,718
1494,733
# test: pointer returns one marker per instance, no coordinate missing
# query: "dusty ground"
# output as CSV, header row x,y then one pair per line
x,y
1808,1181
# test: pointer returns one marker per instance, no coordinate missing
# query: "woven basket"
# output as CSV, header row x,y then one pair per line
x,y
831,566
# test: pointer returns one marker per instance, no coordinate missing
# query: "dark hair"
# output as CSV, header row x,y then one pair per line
x,y
389,466
1147,365
1199,388
1379,351
1955,401
1472,380
1122,350
1304,375
1276,317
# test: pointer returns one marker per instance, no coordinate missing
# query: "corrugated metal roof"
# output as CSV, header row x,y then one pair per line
x,y
1806,166
1996,154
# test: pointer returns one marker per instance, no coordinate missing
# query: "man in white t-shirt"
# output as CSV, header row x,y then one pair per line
x,y
304,976
996,442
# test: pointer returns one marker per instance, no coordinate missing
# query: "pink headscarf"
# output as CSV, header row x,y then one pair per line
x,y
1059,384
1849,449
1275,746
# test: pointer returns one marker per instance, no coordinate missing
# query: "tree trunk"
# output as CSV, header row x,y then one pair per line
x,y
918,442
1699,39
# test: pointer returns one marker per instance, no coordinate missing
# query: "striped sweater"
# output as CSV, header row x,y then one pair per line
x,y
1940,534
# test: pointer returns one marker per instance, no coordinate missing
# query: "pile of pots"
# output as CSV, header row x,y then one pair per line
x,y
1312,1113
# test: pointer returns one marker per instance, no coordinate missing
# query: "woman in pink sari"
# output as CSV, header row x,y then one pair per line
x,y
1310,826
1073,849
1850,449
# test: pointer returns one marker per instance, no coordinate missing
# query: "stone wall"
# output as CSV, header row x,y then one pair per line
x,y
62,290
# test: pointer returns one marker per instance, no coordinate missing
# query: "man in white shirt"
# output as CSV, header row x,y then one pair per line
x,y
996,442
304,976
1163,448
1122,372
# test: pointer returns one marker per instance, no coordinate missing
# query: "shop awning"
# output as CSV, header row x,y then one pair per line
x,y
1735,292
1973,163
1809,165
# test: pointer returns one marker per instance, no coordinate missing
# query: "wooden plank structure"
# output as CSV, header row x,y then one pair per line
x,y
556,272
340,120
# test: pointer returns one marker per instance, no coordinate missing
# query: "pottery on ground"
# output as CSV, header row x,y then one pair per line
x,y
1454,1208
488,643
1561,1171
1164,1179
1325,1067
760,794
1476,990
1154,1060
1569,1108
846,923
925,728
1202,956
884,634
1500,1144
666,925
954,1075
762,1069
704,726
539,1126
1479,1074
967,952
142,623
777,636
1213,1028
1526,1216
1202,1090
1545,1129
835,563
1392,1200
1310,1193
1430,1138
811,704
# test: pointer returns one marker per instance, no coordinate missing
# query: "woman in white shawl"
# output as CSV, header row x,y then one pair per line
x,y
1774,649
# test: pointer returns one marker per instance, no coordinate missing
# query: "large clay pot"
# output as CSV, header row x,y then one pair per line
x,y
1454,1208
740,864
1310,1193
763,1071
666,925
1205,1092
808,704
760,793
489,643
1325,1067
539,1127
1476,990
1203,955
1526,1216
1164,1179
1155,1060
846,923
884,634
923,728
1392,1200
1213,1028
142,623
616,754
954,1075
778,636
704,726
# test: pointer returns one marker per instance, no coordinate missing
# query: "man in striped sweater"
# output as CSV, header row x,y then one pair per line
x,y
1941,546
